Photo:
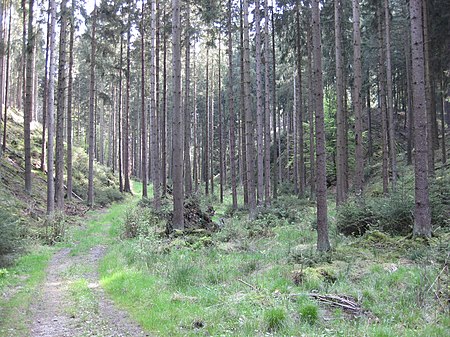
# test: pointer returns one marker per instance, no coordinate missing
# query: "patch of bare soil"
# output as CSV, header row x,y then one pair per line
x,y
49,314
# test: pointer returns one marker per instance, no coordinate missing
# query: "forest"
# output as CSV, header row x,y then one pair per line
x,y
224,168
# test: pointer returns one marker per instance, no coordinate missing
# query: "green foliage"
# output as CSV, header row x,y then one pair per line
x,y
274,318
309,312
12,234
55,228
354,217
106,189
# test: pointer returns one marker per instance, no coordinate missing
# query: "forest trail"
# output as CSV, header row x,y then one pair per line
x,y
71,301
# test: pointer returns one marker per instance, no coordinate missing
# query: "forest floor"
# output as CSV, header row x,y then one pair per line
x,y
68,301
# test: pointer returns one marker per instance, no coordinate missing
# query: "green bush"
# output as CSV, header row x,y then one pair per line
x,y
309,312
274,318
11,238
354,218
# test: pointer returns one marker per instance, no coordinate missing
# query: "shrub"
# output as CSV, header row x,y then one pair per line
x,y
354,218
274,318
11,239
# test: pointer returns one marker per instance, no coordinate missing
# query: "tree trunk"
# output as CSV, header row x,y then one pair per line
x,y
50,111
119,117
28,111
266,105
143,110
311,108
187,109
206,139
358,181
90,200
390,104
323,243
274,105
44,98
243,158
249,136
126,114
177,128
382,103
341,174
422,216
259,108
69,104
222,168
410,114
231,111
155,161
301,157
5,119
164,117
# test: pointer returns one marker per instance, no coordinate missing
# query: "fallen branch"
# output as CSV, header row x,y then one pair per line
x,y
248,284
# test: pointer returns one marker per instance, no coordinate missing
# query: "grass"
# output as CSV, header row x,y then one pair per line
x,y
242,283
18,285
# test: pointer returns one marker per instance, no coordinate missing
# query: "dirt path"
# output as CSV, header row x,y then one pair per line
x,y
55,311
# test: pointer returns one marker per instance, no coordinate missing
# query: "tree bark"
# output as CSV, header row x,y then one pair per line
x,y
358,181
187,108
323,243
126,114
50,111
274,106
143,110
44,98
311,108
90,200
28,111
266,105
5,119
69,104
177,128
422,216
248,117
259,108
231,112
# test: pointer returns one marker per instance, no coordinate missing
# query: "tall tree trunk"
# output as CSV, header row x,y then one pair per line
x,y
5,119
119,117
422,216
164,116
390,104
266,105
211,129
382,103
69,104
50,104
143,110
206,128
301,157
195,166
90,200
231,112
243,159
155,161
2,54
274,106
431,115
341,174
369,127
358,181
44,98
126,113
410,113
249,134
222,168
311,108
177,128
259,107
323,243
28,111
187,109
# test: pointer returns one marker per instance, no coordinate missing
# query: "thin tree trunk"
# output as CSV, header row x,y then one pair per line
x,y
28,111
248,117
243,159
340,115
358,181
60,111
156,173
422,216
266,105
311,109
206,128
382,103
90,200
126,114
259,107
5,119
44,98
301,157
51,103
187,107
222,169
119,117
410,114
69,104
177,128
323,243
143,111
231,111
164,117
274,105
390,107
